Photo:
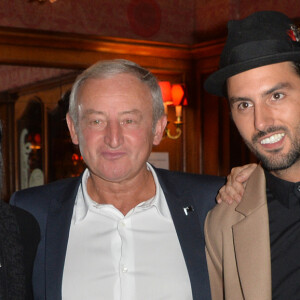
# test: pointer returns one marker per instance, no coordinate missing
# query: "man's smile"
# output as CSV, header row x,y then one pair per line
x,y
275,138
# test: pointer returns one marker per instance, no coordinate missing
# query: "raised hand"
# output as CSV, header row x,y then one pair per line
x,y
234,188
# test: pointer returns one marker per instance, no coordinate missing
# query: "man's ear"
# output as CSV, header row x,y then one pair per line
x,y
72,129
160,130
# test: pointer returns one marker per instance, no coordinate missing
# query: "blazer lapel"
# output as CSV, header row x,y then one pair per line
x,y
252,240
57,234
189,232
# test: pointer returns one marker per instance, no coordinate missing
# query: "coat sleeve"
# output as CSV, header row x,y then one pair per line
x,y
30,237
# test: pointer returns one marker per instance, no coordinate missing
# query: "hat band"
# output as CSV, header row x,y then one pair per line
x,y
258,49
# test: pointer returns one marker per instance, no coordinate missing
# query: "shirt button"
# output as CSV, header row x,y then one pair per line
x,y
124,270
298,188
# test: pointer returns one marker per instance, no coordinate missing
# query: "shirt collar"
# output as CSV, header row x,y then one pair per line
x,y
159,200
282,190
84,202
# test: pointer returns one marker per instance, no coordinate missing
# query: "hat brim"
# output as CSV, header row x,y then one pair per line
x,y
215,83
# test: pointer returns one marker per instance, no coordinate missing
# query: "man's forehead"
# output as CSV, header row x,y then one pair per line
x,y
276,72
287,65
113,84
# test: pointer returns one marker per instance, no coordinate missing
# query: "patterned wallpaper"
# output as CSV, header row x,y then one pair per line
x,y
15,76
175,21
168,21
211,16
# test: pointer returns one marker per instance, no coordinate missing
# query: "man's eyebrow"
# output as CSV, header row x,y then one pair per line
x,y
281,85
92,111
232,100
133,111
97,112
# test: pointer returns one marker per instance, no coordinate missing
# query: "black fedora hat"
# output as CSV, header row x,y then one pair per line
x,y
263,38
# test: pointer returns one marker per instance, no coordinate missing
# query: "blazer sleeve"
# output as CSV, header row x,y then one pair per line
x,y
30,237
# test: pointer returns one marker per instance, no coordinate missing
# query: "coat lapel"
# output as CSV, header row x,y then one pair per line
x,y
252,240
189,232
57,234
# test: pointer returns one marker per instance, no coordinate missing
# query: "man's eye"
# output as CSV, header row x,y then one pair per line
x,y
127,122
97,123
277,96
244,105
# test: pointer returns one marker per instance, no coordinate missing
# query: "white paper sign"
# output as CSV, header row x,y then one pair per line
x,y
159,160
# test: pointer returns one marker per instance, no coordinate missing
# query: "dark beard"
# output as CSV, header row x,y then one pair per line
x,y
276,161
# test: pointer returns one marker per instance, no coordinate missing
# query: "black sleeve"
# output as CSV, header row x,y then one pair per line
x,y
30,237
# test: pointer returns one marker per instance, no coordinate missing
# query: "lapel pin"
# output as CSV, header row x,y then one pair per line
x,y
188,209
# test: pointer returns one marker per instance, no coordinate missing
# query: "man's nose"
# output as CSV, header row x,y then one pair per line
x,y
113,135
263,117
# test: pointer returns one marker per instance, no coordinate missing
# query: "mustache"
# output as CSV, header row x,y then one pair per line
x,y
272,129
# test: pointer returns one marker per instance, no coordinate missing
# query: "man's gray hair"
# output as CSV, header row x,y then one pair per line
x,y
110,68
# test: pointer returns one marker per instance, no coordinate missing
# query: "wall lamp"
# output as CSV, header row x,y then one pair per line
x,y
174,95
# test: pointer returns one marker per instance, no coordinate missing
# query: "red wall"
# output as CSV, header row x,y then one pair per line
x,y
175,21
168,21
212,15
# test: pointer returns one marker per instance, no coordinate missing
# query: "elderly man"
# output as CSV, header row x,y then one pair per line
x,y
123,230
253,247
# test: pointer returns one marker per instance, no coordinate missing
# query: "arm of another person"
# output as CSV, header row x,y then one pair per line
x,y
236,181
30,237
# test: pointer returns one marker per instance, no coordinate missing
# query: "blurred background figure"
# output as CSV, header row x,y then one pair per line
x,y
19,237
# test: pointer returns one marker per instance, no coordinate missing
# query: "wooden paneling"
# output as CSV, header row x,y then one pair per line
x,y
221,147
59,50
7,102
209,144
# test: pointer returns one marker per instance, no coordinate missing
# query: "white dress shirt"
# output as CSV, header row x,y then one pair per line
x,y
115,257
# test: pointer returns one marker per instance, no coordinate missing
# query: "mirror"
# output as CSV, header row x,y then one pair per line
x,y
17,76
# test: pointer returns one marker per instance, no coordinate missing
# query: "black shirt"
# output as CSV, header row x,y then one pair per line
x,y
284,219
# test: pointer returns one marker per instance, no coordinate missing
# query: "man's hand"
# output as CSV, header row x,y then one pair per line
x,y
234,188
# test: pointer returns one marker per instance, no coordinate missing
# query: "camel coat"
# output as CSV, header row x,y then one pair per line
x,y
238,245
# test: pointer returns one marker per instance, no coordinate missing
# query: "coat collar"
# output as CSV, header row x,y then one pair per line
x,y
189,230
252,240
57,234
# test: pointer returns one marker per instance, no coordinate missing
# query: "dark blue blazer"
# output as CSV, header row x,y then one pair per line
x,y
52,205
